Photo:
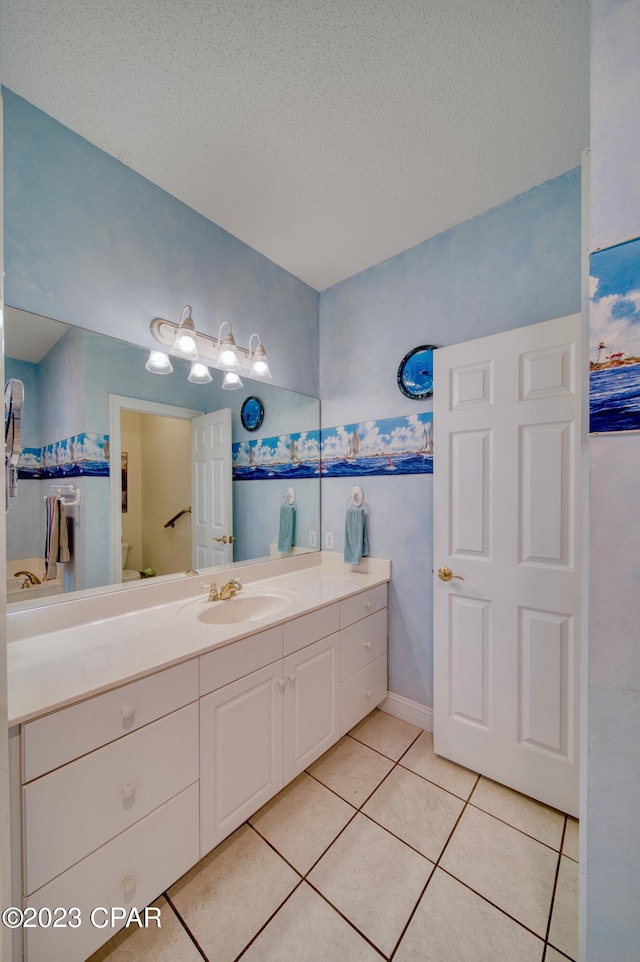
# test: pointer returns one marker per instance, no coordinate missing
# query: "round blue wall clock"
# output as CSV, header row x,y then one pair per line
x,y
252,414
415,374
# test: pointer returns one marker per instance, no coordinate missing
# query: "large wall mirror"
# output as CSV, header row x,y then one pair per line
x,y
99,430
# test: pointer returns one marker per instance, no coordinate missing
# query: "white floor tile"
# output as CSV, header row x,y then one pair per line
x,y
453,924
511,870
307,929
373,879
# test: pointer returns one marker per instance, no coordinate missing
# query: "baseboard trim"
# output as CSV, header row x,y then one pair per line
x,y
408,710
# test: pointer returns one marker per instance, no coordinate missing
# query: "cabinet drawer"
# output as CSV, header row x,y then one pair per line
x,y
132,870
363,642
362,692
224,665
359,606
58,738
71,812
309,628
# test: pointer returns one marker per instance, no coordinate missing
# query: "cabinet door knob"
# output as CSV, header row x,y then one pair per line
x,y
368,693
292,677
281,683
367,644
128,791
128,885
128,713
368,604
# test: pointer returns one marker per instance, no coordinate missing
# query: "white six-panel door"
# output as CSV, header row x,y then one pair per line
x,y
507,486
211,483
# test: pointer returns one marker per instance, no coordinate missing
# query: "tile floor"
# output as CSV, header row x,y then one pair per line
x,y
380,850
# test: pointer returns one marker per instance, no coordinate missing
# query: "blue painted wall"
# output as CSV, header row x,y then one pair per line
x,y
611,879
90,242
513,265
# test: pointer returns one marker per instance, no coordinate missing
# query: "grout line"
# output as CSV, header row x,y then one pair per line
x,y
551,848
263,927
492,904
186,928
555,883
347,920
437,863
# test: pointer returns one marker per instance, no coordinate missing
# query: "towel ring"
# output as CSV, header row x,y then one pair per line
x,y
289,497
357,495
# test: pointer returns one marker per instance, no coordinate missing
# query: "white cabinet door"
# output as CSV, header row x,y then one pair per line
x,y
507,485
311,703
240,751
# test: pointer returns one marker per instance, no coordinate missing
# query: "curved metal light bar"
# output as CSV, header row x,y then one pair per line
x,y
208,348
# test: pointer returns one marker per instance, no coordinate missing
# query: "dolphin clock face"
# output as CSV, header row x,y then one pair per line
x,y
415,374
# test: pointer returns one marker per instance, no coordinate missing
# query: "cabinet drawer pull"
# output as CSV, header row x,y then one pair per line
x,y
128,791
128,885
292,677
128,713
281,683
368,693
367,645
368,604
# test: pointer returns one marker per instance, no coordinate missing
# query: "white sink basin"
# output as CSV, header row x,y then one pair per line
x,y
248,605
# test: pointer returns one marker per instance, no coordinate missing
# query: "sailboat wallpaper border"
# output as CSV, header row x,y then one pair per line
x,y
400,445
82,454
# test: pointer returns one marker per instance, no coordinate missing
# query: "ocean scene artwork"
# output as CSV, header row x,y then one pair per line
x,y
82,454
389,446
614,344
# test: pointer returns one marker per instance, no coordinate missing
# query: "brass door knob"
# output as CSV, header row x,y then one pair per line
x,y
225,539
446,574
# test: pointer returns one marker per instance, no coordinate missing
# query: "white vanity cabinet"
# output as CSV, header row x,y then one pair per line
x,y
363,655
116,822
119,794
261,730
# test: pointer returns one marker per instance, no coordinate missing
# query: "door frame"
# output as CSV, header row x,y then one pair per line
x,y
117,404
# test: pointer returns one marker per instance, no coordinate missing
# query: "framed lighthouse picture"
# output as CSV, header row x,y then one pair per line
x,y
614,342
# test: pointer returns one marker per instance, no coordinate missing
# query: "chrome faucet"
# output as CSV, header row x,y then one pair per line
x,y
227,591
30,579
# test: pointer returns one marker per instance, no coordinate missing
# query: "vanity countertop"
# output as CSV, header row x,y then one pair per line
x,y
52,669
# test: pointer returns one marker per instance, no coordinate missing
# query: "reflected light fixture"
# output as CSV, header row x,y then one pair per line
x,y
205,352
199,373
228,353
159,363
186,342
259,361
231,381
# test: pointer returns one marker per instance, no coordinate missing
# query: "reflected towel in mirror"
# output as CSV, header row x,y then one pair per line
x,y
57,537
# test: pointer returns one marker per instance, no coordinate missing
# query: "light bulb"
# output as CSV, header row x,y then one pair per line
x,y
159,363
199,373
231,381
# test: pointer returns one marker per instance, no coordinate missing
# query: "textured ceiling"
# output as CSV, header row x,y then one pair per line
x,y
327,134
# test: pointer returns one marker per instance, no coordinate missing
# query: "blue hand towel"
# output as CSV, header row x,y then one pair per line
x,y
356,543
287,531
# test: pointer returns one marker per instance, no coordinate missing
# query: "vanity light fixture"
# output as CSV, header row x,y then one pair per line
x,y
159,363
186,343
205,351
228,353
259,361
